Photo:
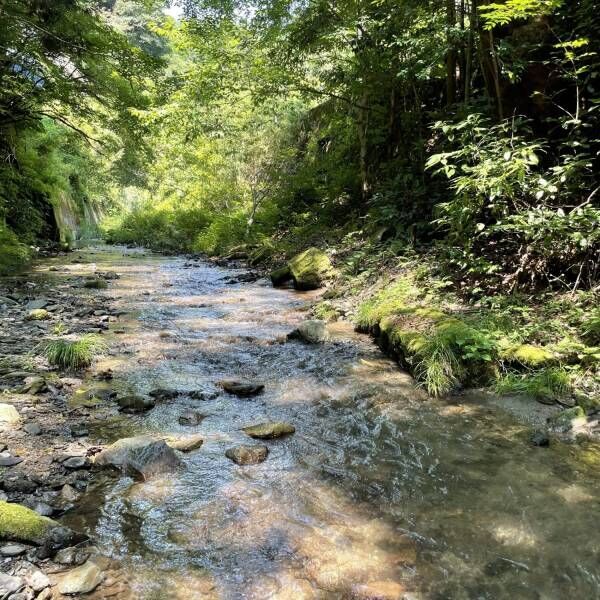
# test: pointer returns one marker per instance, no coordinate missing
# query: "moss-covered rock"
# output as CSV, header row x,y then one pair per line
x,y
567,419
281,276
310,269
38,314
529,355
21,524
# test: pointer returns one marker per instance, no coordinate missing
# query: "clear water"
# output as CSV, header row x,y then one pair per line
x,y
378,485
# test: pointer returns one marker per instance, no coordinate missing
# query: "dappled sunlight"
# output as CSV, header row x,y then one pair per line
x,y
379,488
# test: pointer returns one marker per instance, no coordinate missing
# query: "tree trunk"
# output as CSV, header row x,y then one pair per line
x,y
451,54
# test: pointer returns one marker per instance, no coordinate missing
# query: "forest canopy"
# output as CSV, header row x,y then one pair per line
x,y
465,128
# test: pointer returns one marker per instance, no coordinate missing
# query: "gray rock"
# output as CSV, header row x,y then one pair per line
x,y
18,482
37,580
34,385
79,430
135,404
77,462
71,556
269,430
8,460
82,580
312,331
68,493
539,438
247,455
161,395
141,456
242,388
8,301
32,428
13,549
9,584
36,304
191,417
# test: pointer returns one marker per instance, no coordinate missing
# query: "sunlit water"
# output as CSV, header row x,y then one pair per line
x,y
378,485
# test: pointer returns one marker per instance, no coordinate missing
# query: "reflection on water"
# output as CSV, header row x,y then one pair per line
x,y
380,492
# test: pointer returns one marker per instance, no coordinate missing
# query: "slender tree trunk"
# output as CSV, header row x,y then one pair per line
x,y
451,54
469,56
363,129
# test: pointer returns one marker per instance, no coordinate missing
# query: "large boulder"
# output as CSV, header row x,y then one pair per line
x,y
308,270
140,456
312,331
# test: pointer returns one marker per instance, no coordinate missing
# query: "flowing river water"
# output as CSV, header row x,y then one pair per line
x,y
380,493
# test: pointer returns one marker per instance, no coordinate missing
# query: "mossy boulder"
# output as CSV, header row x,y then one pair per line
x,y
38,314
21,524
310,269
281,276
529,355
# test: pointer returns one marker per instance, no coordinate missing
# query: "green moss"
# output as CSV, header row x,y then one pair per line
x,y
391,300
38,314
22,524
528,355
325,311
281,276
13,254
310,269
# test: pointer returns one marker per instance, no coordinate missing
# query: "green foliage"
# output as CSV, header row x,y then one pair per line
x,y
547,384
73,354
13,254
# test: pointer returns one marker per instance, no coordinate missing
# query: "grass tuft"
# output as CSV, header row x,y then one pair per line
x,y
77,354
547,384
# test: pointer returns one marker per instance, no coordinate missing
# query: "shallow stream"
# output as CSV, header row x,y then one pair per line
x,y
379,487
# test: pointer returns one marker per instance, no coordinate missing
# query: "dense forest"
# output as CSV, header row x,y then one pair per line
x,y
451,148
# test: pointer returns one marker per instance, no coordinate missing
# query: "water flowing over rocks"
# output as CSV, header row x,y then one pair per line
x,y
142,456
312,332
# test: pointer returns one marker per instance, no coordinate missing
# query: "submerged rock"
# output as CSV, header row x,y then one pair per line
x,y
313,331
71,556
268,431
191,417
247,455
568,419
242,389
135,404
161,395
141,456
539,438
193,442
281,276
82,580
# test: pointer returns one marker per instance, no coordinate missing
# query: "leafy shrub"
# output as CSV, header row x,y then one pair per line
x,y
13,254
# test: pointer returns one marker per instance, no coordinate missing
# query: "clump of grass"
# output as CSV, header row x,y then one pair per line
x,y
547,384
390,300
96,283
73,354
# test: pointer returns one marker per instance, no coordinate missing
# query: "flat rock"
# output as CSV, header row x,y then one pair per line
x,y
37,580
13,549
34,385
141,456
9,585
193,442
269,430
243,389
76,462
135,404
191,417
8,460
313,331
247,455
163,394
36,304
82,580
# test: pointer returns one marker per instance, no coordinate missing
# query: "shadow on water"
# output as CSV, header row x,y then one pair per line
x,y
379,485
